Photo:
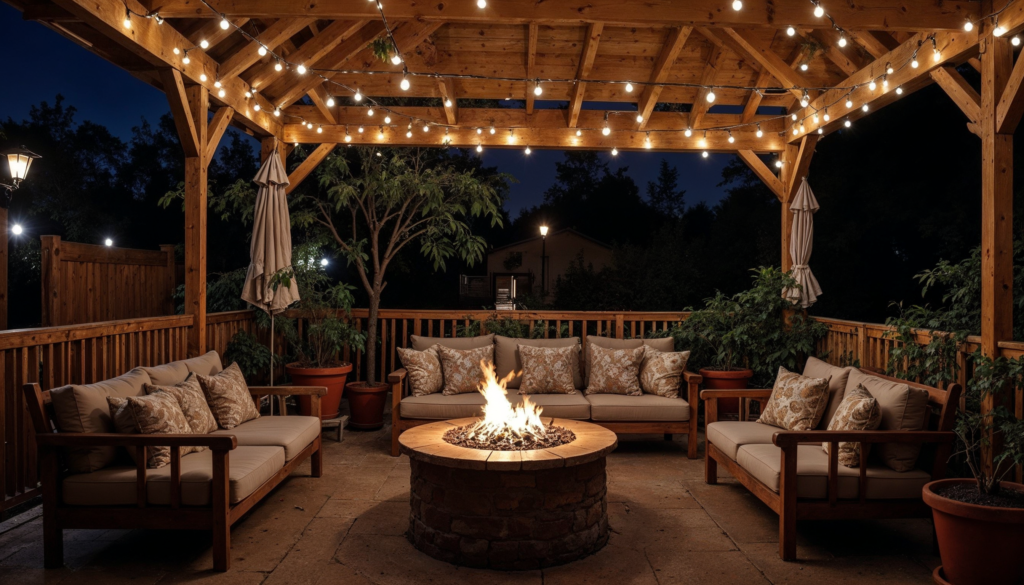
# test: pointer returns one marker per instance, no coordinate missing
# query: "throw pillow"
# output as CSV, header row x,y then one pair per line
x,y
815,368
424,369
903,409
859,411
154,414
615,371
658,343
463,370
547,370
662,372
228,397
192,401
508,361
797,403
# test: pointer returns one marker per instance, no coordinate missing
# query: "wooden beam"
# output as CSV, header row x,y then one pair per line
x,y
319,96
296,177
701,105
195,223
875,45
913,15
666,59
531,63
213,34
215,131
1011,103
447,89
590,44
754,99
3,268
844,59
308,54
177,97
800,164
763,172
789,158
271,38
957,88
769,60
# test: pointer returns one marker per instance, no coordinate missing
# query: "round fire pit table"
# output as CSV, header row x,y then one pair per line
x,y
508,510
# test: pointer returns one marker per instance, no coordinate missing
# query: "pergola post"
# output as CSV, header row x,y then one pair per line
x,y
796,160
4,234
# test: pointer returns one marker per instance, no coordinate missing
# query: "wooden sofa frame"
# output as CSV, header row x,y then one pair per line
x,y
790,508
400,424
218,517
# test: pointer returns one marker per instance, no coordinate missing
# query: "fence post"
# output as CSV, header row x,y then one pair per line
x,y
172,270
619,330
862,346
50,254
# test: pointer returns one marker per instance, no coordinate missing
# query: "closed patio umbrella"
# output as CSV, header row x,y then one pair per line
x,y
800,244
271,248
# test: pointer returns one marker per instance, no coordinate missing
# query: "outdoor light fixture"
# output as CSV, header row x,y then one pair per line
x,y
737,5
224,24
330,102
543,231
205,44
324,262
405,83
19,160
108,242
17,230
629,87
790,31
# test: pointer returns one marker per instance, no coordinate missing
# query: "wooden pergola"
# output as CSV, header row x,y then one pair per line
x,y
770,78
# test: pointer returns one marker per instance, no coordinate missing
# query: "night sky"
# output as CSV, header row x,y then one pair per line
x,y
47,64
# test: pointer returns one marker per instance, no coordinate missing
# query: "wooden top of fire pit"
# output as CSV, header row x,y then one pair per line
x,y
426,443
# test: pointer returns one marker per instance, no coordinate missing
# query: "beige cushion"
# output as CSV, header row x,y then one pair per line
x,y
154,414
548,370
423,343
837,377
464,369
228,397
293,433
615,371
660,344
730,435
424,369
662,372
248,469
172,373
764,463
192,402
646,408
859,411
903,408
84,409
797,403
507,359
440,407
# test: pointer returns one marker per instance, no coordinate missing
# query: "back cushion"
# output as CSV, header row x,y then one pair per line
x,y
83,409
508,360
460,343
660,344
903,409
837,377
173,373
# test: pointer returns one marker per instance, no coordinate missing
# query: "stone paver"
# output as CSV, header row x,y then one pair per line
x,y
667,527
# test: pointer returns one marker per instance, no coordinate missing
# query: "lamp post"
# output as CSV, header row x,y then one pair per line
x,y
19,160
543,262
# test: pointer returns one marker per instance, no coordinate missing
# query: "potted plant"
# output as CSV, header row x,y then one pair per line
x,y
979,521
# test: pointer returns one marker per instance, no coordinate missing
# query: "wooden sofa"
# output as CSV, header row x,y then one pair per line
x,y
618,413
792,475
208,490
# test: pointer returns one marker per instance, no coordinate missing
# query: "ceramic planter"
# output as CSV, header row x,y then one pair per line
x,y
978,544
366,405
333,378
727,380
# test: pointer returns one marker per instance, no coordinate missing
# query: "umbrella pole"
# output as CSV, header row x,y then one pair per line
x,y
272,362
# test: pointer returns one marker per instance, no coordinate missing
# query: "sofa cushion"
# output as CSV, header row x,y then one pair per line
x,y
192,401
83,409
292,433
440,407
646,407
464,369
660,344
730,435
248,469
615,371
507,359
570,406
797,403
837,377
420,343
228,397
859,411
764,463
172,373
903,409
661,372
547,370
154,414
424,368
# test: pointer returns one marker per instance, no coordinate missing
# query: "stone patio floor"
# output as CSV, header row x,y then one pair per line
x,y
347,527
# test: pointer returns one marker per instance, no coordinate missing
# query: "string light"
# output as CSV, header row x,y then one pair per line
x,y
842,40
579,133
826,116
277,112
704,154
204,44
737,5
380,133
968,26
790,31
426,127
527,151
778,163
358,96
803,67
885,82
537,90
629,87
369,112
849,102
330,101
481,3
396,59
711,96
185,60
387,119
301,69
615,151
221,93
815,117
176,51
262,51
899,90
647,141
999,29
256,106
687,133
888,69
360,129
806,99
479,130
864,108
278,66
203,77
348,138
492,129
217,83
408,133
319,129
639,118
872,85
847,124
793,117
731,138
224,24
606,130
447,103
127,18
309,125
405,83
759,132
479,147
914,63
818,10
1015,41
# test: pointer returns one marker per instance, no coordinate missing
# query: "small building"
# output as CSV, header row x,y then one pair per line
x,y
514,271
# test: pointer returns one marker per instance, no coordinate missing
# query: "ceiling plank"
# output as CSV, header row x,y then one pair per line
x,y
701,105
271,38
586,63
763,172
447,89
769,60
309,53
309,165
181,111
666,59
961,92
531,63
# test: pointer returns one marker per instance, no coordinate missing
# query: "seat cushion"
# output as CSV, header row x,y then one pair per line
x,y
248,469
292,433
570,406
646,407
172,373
730,435
440,407
420,343
837,377
507,359
764,462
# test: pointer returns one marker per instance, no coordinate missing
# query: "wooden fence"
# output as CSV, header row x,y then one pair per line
x,y
83,283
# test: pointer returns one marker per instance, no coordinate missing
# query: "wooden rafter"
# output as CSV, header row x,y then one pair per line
x,y
799,165
843,58
447,89
215,131
1010,108
666,58
957,88
213,34
701,105
271,38
308,54
319,96
177,97
296,177
768,59
763,172
875,45
590,44
531,62
754,99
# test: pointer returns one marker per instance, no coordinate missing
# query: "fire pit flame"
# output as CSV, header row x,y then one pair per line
x,y
502,420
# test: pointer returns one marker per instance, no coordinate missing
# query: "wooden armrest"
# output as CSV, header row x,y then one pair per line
x,y
288,390
759,393
786,438
215,442
397,376
691,378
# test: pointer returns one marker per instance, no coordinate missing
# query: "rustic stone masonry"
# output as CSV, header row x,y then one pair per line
x,y
509,520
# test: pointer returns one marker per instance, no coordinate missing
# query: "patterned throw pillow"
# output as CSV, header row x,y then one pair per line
x,y
797,403
424,369
547,370
157,413
662,372
615,371
228,397
859,411
192,402
462,369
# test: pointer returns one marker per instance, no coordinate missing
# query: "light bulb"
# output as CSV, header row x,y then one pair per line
x,y
217,83
205,44
759,133
793,117
968,26
108,242
815,117
914,63
864,108
579,133
537,90
795,131
790,31
820,131
17,230
999,30
348,138
447,103
737,5
885,83
309,125
819,11
1015,41
360,129
527,151
127,21
262,51
203,77
639,118
224,24
324,262
176,51
849,102
185,59
606,131
492,129
256,107
872,85
278,66
396,59
629,87
826,116
301,69
615,151
248,94
319,129
330,101
408,134
387,119
426,127
380,134
688,133
221,93
731,138
842,40
405,84
358,97
479,130
704,154
711,96
369,112
806,99
803,67
899,90
847,124
778,164
277,112
479,148
647,142
937,56
481,3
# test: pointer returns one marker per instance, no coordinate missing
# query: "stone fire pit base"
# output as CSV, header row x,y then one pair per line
x,y
508,510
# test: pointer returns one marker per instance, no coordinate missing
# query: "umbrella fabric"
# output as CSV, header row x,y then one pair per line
x,y
801,242
271,248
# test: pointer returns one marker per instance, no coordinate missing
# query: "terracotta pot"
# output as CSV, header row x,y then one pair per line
x,y
978,544
366,404
333,378
727,380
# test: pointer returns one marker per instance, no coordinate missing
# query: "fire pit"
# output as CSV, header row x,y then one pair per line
x,y
512,490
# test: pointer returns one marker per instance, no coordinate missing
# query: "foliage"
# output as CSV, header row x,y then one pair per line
x,y
381,49
252,356
750,330
508,327
933,363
